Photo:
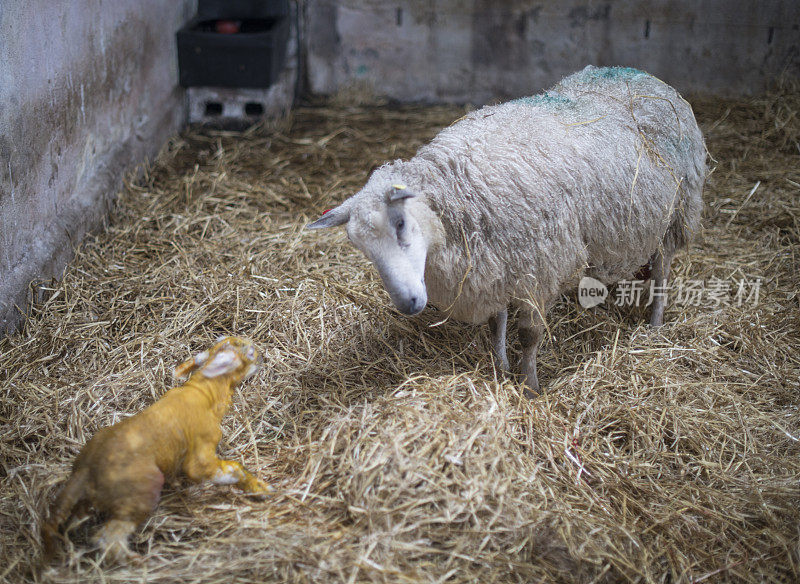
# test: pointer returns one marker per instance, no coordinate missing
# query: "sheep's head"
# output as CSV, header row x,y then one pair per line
x,y
230,356
392,225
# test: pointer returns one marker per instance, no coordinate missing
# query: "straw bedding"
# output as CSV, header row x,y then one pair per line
x,y
396,452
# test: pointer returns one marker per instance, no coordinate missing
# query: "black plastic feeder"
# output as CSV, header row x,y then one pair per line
x,y
234,43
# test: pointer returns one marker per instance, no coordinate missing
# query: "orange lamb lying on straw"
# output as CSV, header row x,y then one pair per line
x,y
121,470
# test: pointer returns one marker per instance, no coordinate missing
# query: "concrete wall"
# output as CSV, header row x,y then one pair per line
x,y
88,90
480,50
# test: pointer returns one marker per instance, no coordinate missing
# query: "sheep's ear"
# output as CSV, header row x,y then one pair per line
x,y
190,365
399,193
332,218
223,363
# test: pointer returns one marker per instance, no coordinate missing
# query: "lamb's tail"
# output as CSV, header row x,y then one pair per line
x,y
61,510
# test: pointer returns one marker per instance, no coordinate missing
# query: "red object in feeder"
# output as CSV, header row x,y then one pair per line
x,y
227,26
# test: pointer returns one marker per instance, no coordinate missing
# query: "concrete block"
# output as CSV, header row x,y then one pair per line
x,y
225,106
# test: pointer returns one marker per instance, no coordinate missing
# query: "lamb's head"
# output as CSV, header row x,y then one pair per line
x,y
394,227
232,358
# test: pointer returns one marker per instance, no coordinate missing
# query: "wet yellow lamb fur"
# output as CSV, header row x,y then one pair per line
x,y
121,470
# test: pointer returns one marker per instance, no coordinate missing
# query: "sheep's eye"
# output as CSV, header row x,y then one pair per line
x,y
399,225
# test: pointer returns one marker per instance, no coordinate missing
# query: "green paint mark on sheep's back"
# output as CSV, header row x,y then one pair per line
x,y
679,145
546,99
611,73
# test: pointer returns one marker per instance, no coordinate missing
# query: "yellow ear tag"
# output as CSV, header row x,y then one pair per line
x,y
399,187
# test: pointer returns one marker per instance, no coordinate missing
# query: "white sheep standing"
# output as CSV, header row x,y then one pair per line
x,y
514,203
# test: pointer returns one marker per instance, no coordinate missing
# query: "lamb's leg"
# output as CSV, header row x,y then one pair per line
x,y
659,277
233,472
531,331
202,464
133,498
497,326
112,539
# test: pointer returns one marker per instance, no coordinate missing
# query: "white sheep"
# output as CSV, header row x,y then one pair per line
x,y
514,203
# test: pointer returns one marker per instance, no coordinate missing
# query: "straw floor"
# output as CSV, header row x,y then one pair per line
x,y
396,451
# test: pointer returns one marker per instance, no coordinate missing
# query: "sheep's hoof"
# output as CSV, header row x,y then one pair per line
x,y
531,393
119,554
258,489
531,388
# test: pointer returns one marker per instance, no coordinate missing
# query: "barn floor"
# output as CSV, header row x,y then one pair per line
x,y
396,452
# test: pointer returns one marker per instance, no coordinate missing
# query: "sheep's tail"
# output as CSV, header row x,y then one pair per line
x,y
61,510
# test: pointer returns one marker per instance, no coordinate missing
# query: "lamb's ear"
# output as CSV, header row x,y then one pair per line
x,y
399,193
333,218
190,365
223,362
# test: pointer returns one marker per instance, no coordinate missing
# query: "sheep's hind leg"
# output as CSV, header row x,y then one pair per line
x,y
133,498
531,331
497,326
658,285
112,539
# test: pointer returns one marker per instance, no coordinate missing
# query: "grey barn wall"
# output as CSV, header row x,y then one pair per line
x,y
88,90
480,50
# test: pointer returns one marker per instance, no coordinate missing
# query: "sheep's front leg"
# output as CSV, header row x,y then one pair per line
x,y
232,472
497,326
531,331
202,464
661,264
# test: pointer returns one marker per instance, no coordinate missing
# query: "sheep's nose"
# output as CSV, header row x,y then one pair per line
x,y
413,305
